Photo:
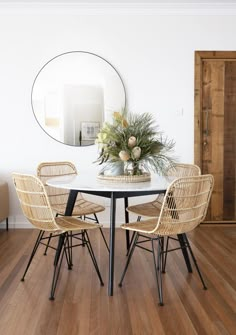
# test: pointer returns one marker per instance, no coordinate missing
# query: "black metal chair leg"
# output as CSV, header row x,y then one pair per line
x,y
132,238
40,236
185,252
59,248
70,238
165,256
160,261
90,249
129,258
104,239
131,243
83,235
6,223
57,264
68,250
101,231
96,218
195,262
83,239
67,246
49,239
157,266
162,242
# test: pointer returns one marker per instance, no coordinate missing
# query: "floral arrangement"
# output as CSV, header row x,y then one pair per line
x,y
134,140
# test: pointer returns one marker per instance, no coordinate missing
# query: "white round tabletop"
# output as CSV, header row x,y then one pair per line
x,y
89,182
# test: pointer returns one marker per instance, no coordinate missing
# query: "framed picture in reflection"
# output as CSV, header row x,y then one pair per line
x,y
89,130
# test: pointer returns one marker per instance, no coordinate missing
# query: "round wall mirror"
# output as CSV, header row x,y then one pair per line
x,y
73,94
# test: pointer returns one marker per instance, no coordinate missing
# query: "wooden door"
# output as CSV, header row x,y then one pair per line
x,y
215,129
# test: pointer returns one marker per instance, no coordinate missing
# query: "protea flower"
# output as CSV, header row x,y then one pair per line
x,y
124,155
132,141
136,152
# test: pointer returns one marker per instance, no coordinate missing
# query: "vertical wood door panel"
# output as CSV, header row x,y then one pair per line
x,y
213,132
230,141
215,129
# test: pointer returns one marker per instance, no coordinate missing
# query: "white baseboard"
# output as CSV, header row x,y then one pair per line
x,y
20,222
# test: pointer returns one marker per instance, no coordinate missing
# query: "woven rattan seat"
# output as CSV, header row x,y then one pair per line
x,y
183,208
58,197
36,207
152,209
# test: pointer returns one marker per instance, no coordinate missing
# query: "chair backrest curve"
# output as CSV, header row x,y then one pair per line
x,y
185,204
34,201
184,170
46,170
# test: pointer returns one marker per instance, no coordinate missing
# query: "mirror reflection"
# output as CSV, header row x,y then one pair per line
x,y
73,94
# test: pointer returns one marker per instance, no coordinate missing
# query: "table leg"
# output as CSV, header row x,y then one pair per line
x,y
71,202
185,252
68,212
126,221
112,244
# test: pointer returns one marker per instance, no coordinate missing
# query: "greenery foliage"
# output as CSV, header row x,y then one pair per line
x,y
135,138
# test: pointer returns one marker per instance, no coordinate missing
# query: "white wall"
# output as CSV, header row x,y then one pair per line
x,y
154,55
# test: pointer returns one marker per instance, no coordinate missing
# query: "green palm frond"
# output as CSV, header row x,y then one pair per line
x,y
156,150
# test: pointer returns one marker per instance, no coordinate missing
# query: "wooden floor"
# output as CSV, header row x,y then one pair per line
x,y
83,307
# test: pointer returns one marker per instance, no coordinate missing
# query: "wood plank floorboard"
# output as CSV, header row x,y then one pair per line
x,y
82,306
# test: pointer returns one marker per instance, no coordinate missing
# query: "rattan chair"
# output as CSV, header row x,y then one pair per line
x,y
37,209
58,197
183,208
152,208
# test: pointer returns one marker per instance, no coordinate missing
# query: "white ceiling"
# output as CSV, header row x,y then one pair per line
x,y
121,1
